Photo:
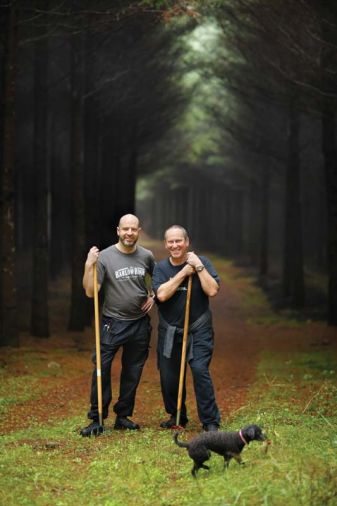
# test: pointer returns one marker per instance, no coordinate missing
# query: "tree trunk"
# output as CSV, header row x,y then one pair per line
x,y
40,316
329,149
237,229
126,186
92,145
57,251
264,230
293,279
77,309
227,229
8,294
253,226
321,231
108,187
330,162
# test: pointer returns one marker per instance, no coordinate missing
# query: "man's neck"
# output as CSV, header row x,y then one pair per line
x,y
124,249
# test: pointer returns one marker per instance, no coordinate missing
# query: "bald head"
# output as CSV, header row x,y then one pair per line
x,y
128,232
127,218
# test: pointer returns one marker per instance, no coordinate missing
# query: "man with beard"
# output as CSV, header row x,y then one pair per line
x,y
169,281
121,270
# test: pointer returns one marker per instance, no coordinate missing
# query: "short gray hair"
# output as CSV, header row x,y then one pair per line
x,y
179,227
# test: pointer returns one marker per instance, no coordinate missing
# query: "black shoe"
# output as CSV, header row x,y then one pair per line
x,y
171,423
93,429
124,423
211,427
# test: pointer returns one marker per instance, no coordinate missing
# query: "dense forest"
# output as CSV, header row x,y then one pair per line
x,y
217,115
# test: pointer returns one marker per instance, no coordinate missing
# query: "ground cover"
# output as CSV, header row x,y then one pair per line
x,y
265,371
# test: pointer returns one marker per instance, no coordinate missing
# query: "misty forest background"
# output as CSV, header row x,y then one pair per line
x,y
218,115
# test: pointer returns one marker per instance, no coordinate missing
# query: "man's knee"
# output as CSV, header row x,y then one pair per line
x,y
199,369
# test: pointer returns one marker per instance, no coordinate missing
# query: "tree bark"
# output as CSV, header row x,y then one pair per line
x,y
8,293
77,309
237,229
40,315
293,279
329,147
264,226
253,223
127,182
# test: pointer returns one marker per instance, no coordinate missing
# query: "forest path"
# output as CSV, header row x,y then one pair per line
x,y
46,380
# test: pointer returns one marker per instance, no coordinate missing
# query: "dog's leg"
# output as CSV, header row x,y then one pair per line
x,y
238,458
199,455
227,458
198,465
195,470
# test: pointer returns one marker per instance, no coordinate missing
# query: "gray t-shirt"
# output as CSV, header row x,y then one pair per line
x,y
122,277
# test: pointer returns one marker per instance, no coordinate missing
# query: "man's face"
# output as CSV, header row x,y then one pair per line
x,y
176,244
128,232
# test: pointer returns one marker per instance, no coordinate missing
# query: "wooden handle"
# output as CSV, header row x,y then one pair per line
x,y
183,350
98,349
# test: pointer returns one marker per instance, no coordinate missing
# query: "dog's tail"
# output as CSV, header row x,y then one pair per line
x,y
179,443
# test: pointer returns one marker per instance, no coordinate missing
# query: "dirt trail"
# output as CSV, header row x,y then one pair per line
x,y
64,361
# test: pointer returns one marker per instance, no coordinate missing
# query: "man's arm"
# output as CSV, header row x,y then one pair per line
x,y
208,283
149,303
88,276
166,290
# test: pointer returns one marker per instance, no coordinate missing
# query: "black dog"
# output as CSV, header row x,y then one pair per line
x,y
228,444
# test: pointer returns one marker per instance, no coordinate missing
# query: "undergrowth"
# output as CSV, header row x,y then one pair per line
x,y
293,399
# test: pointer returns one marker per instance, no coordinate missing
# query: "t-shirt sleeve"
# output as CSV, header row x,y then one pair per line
x,y
209,266
158,278
100,271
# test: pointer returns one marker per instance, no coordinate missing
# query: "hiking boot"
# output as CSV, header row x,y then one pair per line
x,y
122,422
211,427
171,423
93,429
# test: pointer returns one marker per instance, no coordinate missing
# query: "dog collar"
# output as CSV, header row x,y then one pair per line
x,y
242,438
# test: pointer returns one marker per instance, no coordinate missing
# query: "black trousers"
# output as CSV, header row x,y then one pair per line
x,y
134,337
169,369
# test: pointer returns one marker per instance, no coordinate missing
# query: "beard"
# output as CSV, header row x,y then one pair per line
x,y
128,243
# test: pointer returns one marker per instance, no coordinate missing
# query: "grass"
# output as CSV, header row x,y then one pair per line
x,y
294,399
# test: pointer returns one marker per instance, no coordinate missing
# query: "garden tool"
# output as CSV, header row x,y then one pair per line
x,y
183,352
100,429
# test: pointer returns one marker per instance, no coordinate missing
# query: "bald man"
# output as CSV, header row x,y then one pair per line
x,y
121,270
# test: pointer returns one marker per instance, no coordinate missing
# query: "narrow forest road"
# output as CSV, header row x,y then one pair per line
x,y
51,378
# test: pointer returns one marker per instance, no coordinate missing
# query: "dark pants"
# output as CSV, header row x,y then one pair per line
x,y
170,370
134,337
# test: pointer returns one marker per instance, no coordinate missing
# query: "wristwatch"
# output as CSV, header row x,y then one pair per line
x,y
199,268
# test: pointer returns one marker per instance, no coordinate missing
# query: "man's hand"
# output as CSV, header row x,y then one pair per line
x,y
208,283
88,276
92,256
187,270
193,259
148,305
